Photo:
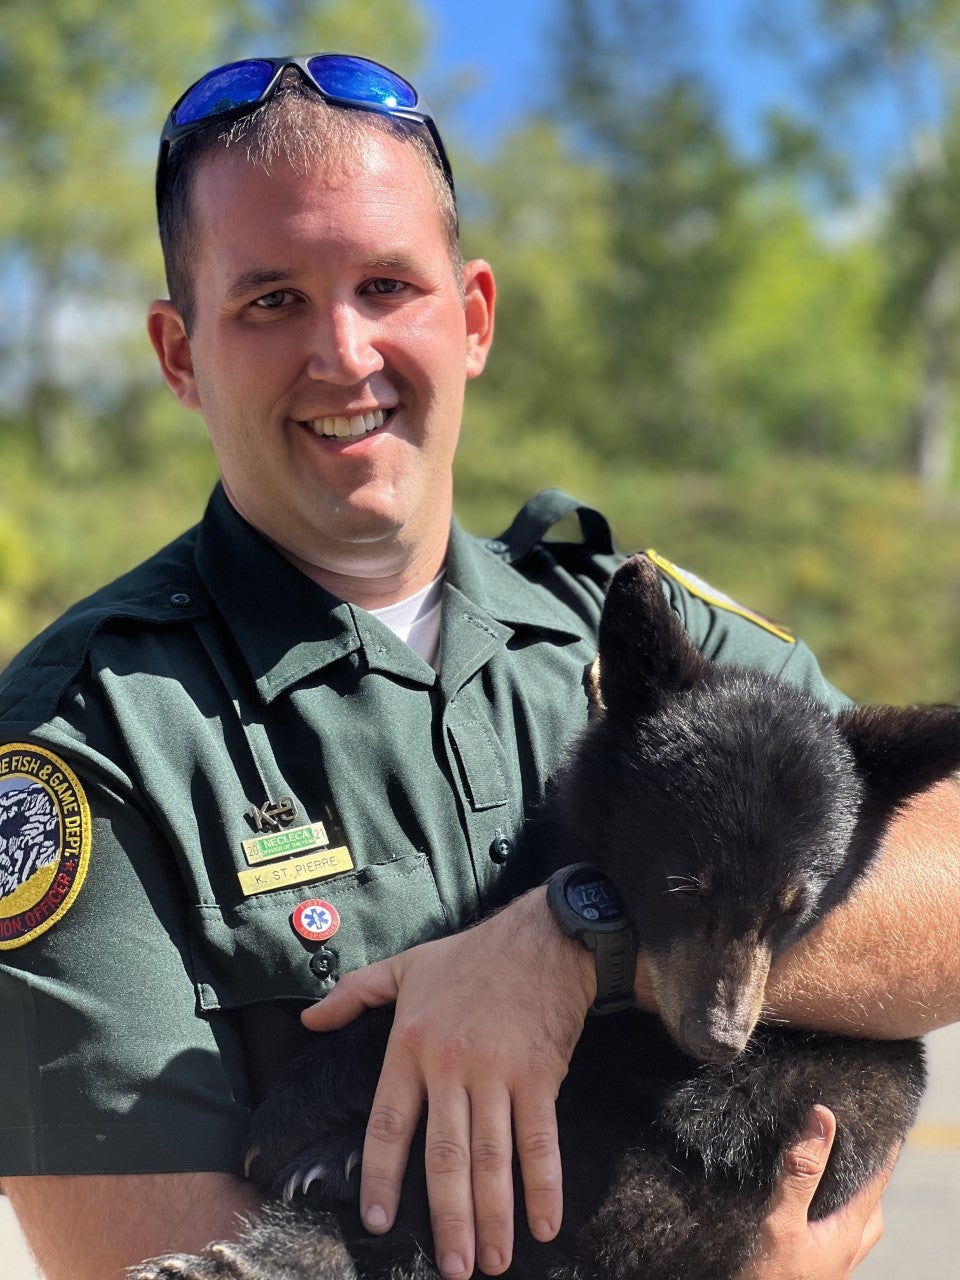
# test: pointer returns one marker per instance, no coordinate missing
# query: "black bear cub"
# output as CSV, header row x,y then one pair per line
x,y
732,812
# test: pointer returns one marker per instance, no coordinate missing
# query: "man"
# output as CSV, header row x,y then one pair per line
x,y
228,783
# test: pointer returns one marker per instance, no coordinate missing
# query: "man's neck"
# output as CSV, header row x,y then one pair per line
x,y
373,576
376,591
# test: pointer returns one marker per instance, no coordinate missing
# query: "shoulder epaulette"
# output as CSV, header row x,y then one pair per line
x,y
710,595
166,589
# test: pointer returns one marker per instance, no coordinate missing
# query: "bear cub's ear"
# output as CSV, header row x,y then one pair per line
x,y
645,654
900,751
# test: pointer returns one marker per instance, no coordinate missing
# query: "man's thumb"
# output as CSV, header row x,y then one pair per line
x,y
805,1161
366,988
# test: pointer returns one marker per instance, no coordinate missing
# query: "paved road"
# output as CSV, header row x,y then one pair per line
x,y
922,1204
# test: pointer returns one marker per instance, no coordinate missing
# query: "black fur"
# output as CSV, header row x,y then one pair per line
x,y
732,812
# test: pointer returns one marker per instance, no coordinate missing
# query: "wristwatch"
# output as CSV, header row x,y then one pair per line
x,y
587,907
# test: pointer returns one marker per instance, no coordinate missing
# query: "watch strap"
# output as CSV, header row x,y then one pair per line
x,y
616,957
614,949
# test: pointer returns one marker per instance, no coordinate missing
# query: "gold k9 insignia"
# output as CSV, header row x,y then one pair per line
x,y
270,817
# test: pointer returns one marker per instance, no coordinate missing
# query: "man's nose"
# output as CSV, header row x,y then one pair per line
x,y
344,347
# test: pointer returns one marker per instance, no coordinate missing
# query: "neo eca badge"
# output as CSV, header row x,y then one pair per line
x,y
44,841
316,920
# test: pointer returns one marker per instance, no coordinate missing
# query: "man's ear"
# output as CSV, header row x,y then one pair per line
x,y
480,291
169,337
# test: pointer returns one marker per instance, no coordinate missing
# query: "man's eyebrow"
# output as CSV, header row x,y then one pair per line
x,y
393,263
401,264
257,278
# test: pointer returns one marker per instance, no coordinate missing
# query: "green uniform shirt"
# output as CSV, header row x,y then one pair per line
x,y
156,947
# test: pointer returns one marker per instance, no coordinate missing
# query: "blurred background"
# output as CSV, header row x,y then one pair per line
x,y
727,240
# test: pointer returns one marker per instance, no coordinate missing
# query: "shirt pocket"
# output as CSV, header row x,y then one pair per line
x,y
251,951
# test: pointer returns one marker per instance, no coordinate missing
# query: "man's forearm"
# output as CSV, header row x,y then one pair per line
x,y
93,1227
886,962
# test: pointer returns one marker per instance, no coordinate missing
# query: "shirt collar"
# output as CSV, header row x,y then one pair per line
x,y
285,625
481,569
288,627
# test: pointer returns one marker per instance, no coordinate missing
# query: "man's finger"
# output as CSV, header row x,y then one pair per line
x,y
394,1117
492,1175
538,1150
367,988
449,1181
872,1232
804,1164
869,1195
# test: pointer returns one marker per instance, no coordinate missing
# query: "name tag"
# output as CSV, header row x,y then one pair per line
x,y
316,865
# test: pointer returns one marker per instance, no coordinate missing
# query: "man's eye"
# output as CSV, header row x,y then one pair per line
x,y
384,286
271,301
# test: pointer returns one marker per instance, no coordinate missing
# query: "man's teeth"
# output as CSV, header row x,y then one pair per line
x,y
343,427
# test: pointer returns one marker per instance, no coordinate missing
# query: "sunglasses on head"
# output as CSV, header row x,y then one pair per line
x,y
236,90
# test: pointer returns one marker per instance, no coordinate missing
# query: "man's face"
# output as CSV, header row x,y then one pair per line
x,y
330,352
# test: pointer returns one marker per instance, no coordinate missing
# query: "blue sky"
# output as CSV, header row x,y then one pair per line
x,y
500,43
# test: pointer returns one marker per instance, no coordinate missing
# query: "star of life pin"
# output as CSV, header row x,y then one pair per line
x,y
316,920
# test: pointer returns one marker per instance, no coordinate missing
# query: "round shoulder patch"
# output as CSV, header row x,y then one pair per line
x,y
44,841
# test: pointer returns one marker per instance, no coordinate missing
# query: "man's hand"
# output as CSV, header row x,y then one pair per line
x,y
791,1248
485,1026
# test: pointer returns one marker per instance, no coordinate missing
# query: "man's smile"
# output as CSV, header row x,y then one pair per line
x,y
342,428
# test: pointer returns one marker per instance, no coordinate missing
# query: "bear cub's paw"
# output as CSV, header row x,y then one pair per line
x,y
223,1262
331,1168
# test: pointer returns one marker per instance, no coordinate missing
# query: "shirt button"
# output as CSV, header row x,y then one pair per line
x,y
324,963
501,847
496,546
180,599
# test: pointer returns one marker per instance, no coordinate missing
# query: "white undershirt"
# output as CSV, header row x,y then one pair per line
x,y
416,620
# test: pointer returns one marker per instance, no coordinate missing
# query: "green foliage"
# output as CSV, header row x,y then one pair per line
x,y
673,202
800,360
857,564
66,531
542,219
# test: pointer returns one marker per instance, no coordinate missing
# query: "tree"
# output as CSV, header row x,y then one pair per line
x,y
540,214
636,104
799,363
902,54
923,300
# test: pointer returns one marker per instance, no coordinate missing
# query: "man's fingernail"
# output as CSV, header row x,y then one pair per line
x,y
813,1130
490,1259
542,1230
375,1219
451,1264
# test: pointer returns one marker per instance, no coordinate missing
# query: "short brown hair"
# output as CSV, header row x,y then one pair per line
x,y
295,126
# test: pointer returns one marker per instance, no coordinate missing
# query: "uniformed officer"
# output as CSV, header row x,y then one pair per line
x,y
303,739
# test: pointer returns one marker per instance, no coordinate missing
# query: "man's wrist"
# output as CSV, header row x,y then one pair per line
x,y
558,952
536,919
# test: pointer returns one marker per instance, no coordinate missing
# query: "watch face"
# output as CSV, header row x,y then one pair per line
x,y
593,899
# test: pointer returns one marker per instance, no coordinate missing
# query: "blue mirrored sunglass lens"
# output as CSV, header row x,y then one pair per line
x,y
357,80
234,86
